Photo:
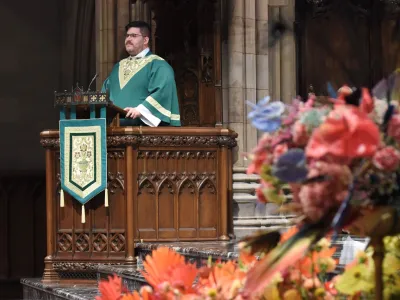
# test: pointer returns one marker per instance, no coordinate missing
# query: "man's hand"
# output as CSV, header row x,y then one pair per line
x,y
132,112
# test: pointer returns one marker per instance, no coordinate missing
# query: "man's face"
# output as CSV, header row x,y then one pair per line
x,y
135,42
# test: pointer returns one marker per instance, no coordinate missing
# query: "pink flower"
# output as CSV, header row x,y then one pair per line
x,y
387,159
394,127
260,155
319,197
300,135
279,150
258,160
367,103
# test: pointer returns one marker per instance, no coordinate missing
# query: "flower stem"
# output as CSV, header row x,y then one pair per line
x,y
379,253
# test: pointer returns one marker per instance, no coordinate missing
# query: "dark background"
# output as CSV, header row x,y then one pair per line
x,y
46,45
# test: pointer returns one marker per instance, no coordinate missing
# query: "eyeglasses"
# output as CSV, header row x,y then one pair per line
x,y
133,35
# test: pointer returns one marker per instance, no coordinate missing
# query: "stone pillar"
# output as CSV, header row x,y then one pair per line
x,y
250,60
140,11
239,73
262,69
252,71
283,56
111,18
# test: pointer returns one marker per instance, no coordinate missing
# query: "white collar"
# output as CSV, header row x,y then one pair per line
x,y
141,54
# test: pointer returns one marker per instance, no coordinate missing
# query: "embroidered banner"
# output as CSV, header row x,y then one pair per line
x,y
83,157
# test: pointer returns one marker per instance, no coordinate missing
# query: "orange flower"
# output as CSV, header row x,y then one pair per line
x,y
346,133
313,263
159,263
289,233
166,270
145,293
247,259
225,278
111,289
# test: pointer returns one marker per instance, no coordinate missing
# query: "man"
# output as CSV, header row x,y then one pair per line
x,y
144,83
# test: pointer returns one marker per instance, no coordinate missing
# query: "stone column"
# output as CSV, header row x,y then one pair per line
x,y
111,18
252,71
283,55
239,73
140,11
235,68
262,68
251,78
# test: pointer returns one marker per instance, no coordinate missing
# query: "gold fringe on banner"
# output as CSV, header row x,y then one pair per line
x,y
61,198
83,214
106,198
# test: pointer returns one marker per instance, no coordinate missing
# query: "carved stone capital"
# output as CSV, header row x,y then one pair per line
x,y
227,141
178,140
78,266
49,143
118,140
156,141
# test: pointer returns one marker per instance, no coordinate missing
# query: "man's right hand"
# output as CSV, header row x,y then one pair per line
x,y
133,112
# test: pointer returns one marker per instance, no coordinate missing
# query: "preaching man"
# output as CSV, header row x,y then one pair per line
x,y
144,83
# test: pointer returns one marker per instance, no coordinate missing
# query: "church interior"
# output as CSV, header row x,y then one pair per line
x,y
192,181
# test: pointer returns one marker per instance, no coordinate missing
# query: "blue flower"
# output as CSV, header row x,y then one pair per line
x,y
266,116
291,166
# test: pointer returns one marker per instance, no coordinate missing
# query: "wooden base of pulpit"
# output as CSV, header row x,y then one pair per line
x,y
164,184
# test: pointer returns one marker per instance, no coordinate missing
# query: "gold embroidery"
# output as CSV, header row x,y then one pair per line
x,y
72,159
128,67
153,102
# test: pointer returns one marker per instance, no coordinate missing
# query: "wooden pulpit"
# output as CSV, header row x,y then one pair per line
x,y
164,184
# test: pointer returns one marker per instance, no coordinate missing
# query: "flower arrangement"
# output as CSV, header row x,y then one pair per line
x,y
170,277
341,162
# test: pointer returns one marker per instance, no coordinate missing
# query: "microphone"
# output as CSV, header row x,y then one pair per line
x,y
94,78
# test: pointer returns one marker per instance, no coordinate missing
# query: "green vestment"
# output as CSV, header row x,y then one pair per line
x,y
149,81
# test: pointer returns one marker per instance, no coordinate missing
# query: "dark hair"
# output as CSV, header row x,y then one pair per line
x,y
144,27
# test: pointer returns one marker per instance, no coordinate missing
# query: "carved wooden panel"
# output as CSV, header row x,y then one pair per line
x,y
103,233
179,188
344,42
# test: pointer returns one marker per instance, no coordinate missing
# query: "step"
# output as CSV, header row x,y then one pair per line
x,y
194,252
244,226
240,177
132,277
33,288
243,187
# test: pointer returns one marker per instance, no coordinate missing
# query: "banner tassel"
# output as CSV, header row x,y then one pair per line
x,y
83,214
61,198
106,197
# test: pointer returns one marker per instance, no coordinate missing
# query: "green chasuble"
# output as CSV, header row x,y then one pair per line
x,y
148,81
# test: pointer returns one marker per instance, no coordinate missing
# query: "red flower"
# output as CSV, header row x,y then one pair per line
x,y
346,133
394,127
387,159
